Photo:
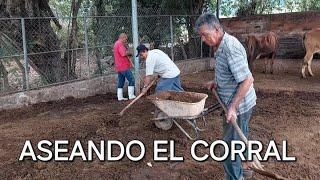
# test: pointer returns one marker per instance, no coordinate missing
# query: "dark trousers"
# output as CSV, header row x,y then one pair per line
x,y
122,76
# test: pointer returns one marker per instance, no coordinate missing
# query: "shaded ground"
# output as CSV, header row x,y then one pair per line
x,y
279,115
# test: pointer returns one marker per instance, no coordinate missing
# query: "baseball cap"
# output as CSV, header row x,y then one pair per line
x,y
141,48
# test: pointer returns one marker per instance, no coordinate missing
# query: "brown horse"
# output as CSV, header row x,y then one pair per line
x,y
262,46
311,41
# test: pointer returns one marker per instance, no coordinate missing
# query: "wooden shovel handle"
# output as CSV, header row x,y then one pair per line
x,y
234,123
129,57
237,128
257,166
267,173
136,99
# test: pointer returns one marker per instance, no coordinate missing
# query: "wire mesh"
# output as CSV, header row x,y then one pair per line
x,y
12,74
65,49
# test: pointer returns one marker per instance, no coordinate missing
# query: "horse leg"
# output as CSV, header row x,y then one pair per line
x,y
265,65
309,66
251,66
272,62
307,58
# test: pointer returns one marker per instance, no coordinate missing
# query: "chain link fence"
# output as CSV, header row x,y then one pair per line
x,y
12,69
37,52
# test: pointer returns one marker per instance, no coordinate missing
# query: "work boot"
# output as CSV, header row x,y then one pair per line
x,y
120,95
131,92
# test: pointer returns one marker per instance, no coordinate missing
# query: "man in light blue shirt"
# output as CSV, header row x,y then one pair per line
x,y
233,82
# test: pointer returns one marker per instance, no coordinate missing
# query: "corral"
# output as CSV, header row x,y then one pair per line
x,y
285,111
57,82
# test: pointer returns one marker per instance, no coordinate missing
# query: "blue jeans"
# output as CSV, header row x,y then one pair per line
x,y
169,84
122,76
234,169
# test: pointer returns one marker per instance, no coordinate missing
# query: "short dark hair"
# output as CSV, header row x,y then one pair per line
x,y
141,48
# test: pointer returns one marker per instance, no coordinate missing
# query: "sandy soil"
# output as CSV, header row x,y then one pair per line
x,y
280,114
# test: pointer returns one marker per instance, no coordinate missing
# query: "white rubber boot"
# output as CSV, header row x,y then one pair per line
x,y
131,92
120,95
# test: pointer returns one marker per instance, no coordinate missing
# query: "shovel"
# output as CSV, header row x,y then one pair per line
x,y
136,99
257,167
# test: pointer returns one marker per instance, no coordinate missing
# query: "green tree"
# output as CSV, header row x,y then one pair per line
x,y
309,5
252,7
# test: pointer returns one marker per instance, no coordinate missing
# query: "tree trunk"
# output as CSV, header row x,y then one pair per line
x,y
40,36
21,68
7,45
70,54
195,8
183,50
98,26
4,75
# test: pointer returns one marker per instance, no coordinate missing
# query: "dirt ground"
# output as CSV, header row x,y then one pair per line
x,y
282,113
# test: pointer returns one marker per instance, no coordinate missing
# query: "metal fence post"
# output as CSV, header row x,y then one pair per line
x,y
218,9
201,47
135,44
25,53
172,41
86,43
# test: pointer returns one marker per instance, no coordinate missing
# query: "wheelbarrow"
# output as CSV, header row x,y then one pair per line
x,y
177,107
189,107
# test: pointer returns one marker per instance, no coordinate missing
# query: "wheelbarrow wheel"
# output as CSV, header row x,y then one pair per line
x,y
165,124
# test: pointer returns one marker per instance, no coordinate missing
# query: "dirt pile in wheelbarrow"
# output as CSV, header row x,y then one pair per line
x,y
187,97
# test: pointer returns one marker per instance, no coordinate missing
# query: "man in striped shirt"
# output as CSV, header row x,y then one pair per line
x,y
233,82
